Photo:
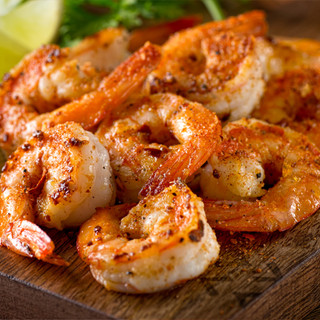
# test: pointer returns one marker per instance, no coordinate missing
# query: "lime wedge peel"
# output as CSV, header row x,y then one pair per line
x,y
7,5
26,27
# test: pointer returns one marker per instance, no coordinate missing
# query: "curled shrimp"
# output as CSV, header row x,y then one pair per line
x,y
219,64
19,122
161,242
56,179
292,54
292,94
290,166
143,142
52,76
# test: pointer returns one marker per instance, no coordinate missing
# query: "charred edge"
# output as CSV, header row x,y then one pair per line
x,y
216,173
52,54
74,142
197,234
155,85
146,246
169,78
26,147
169,233
38,134
97,229
122,255
145,129
64,188
29,251
154,152
119,256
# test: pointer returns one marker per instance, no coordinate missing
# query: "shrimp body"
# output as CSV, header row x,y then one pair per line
x,y
293,99
56,179
17,122
292,94
52,76
157,139
222,69
161,242
285,165
48,78
105,50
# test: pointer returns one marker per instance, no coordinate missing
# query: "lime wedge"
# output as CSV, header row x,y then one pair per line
x,y
26,27
11,53
7,5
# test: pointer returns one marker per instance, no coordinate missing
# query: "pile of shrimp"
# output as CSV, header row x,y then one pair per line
x,y
149,148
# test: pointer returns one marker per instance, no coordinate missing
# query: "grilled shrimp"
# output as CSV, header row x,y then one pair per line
x,y
144,140
222,69
56,179
292,54
278,165
163,241
17,122
52,76
293,100
292,94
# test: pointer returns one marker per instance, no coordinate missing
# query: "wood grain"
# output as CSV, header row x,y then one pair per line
x,y
273,276
258,276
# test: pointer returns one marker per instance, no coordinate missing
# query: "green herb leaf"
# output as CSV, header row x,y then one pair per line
x,y
85,17
214,9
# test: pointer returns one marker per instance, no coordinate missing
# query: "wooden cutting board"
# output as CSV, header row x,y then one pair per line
x,y
258,276
275,276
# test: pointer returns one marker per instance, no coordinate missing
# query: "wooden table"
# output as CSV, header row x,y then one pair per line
x,y
273,276
258,276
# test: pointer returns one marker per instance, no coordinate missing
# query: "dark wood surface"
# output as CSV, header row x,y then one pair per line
x,y
273,276
258,276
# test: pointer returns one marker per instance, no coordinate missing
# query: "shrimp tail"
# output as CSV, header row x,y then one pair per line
x,y
27,239
191,156
91,108
177,166
267,215
240,216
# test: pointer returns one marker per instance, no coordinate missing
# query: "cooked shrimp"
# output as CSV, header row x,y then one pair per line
x,y
143,142
222,69
292,54
18,122
105,50
163,241
46,79
52,76
290,190
56,179
293,99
